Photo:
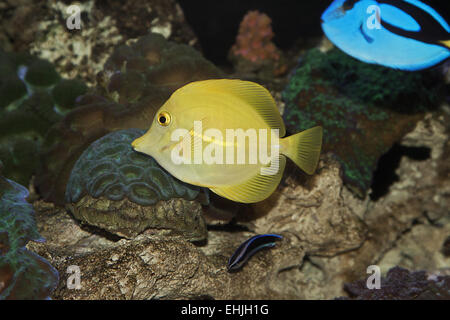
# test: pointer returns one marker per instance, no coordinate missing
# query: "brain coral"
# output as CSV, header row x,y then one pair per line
x,y
125,192
136,81
23,274
32,98
363,108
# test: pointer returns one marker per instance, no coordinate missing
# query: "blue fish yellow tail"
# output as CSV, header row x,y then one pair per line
x,y
304,148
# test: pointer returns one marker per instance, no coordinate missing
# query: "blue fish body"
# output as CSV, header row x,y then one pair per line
x,y
249,248
400,34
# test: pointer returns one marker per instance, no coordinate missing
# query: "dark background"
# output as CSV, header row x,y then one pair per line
x,y
216,22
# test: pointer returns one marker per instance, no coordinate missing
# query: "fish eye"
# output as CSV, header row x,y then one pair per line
x,y
164,118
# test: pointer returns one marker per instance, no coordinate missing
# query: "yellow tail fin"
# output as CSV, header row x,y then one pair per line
x,y
304,148
446,43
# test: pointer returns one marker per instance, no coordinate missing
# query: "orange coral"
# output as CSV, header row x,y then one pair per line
x,y
254,41
254,47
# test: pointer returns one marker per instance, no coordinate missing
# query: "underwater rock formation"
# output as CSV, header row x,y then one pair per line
x,y
312,209
401,284
254,51
23,274
32,98
160,267
125,192
351,235
418,200
364,109
137,80
446,247
81,52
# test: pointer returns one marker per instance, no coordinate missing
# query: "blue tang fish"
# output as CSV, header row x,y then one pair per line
x,y
400,34
249,248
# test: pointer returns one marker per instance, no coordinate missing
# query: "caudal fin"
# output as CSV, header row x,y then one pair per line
x,y
304,148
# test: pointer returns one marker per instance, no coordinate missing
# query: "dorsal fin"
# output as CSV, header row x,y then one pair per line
x,y
255,95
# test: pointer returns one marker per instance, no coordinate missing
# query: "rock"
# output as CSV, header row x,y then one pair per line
x,y
352,234
363,108
401,284
126,193
446,247
160,266
314,210
103,26
419,249
392,220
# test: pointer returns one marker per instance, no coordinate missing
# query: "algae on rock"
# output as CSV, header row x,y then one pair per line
x,y
364,109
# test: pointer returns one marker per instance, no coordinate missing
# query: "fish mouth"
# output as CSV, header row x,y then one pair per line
x,y
135,144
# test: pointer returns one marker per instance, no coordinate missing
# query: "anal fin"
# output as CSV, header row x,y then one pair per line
x,y
255,189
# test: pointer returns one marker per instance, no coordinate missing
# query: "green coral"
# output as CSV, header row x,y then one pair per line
x,y
23,274
125,192
41,73
32,98
363,108
110,168
66,92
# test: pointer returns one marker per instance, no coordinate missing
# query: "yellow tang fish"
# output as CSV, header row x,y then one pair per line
x,y
224,135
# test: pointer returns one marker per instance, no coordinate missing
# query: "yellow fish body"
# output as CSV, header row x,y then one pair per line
x,y
224,135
